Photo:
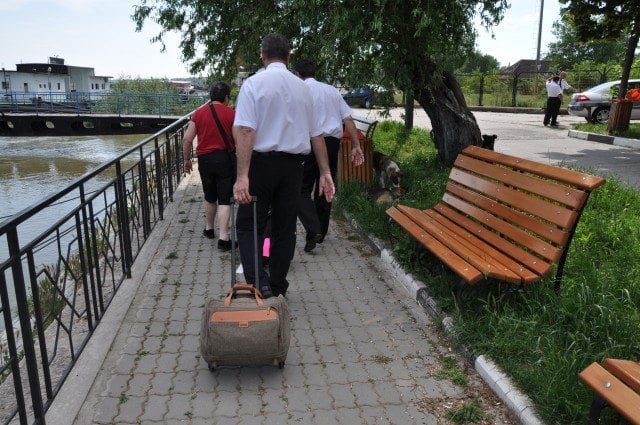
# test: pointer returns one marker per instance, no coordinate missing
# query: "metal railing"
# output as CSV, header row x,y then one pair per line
x,y
55,288
160,104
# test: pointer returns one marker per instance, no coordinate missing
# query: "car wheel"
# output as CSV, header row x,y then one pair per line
x,y
600,115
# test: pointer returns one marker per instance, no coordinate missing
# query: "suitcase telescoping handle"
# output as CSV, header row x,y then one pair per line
x,y
254,205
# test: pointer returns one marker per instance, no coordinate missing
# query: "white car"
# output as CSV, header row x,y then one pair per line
x,y
594,104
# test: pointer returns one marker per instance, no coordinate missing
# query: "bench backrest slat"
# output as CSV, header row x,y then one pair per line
x,y
545,230
571,177
569,196
539,207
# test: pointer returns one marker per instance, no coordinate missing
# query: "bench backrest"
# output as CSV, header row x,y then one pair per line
x,y
365,125
346,170
534,206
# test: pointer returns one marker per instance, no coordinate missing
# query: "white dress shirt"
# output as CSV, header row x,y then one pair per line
x,y
279,107
553,89
331,108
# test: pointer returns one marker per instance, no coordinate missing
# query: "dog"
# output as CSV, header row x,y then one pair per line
x,y
488,140
389,173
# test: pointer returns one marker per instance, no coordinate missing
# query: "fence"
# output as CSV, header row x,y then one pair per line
x,y
50,309
521,90
160,104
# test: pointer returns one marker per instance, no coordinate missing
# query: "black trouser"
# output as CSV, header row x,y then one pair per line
x,y
314,214
275,179
552,111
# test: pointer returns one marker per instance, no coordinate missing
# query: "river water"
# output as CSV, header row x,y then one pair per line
x,y
32,168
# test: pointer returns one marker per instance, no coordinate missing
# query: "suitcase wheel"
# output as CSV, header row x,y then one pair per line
x,y
212,366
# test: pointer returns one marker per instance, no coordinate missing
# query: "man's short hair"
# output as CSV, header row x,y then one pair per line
x,y
275,46
305,68
219,90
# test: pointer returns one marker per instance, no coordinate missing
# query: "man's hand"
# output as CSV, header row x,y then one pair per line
x,y
187,166
357,157
241,191
326,187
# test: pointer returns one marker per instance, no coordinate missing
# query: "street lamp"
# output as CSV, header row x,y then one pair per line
x,y
49,83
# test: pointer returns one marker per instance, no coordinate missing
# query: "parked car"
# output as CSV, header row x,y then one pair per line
x,y
594,104
366,97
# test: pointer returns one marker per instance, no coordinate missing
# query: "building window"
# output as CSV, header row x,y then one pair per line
x,y
58,86
102,86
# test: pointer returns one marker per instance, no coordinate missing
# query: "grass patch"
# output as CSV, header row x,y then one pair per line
x,y
469,413
632,133
450,370
541,340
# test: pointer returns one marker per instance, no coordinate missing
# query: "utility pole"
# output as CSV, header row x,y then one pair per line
x,y
539,35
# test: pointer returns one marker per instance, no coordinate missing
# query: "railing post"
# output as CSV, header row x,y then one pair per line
x,y
22,304
160,171
144,195
169,152
514,90
481,90
87,260
123,221
13,352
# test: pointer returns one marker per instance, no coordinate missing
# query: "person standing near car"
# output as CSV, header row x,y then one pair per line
x,y
332,113
275,128
215,163
554,91
564,85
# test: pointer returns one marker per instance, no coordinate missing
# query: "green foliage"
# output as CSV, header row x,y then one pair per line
x,y
468,413
478,62
540,339
632,133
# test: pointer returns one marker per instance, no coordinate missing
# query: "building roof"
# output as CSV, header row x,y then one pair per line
x,y
528,66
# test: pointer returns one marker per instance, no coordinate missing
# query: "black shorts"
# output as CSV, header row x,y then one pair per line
x,y
218,175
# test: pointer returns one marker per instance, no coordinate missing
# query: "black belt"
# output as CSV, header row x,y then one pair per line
x,y
279,153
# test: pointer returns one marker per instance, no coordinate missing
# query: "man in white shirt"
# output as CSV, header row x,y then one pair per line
x,y
274,128
554,91
332,113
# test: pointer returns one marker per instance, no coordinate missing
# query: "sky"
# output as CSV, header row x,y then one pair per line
x,y
100,34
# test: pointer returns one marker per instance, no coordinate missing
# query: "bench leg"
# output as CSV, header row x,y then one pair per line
x,y
597,405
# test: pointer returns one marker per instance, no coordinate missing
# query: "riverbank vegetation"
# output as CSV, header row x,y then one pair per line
x,y
540,339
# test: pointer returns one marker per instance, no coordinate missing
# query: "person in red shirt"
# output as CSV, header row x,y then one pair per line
x,y
215,150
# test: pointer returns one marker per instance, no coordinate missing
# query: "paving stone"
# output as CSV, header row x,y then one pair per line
x,y
155,408
130,410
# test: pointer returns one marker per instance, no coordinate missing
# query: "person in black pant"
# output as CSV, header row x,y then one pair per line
x,y
554,99
275,128
333,113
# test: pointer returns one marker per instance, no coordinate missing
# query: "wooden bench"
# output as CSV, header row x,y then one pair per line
x,y
617,384
501,217
346,170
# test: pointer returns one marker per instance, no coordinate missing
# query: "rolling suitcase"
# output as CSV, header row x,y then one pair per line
x,y
244,329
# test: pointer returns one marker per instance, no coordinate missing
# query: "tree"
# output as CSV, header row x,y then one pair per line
x,y
413,46
567,50
608,20
477,61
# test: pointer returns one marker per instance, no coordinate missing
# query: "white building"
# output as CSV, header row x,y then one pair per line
x,y
53,77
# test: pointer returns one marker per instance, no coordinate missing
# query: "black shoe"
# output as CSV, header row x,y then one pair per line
x,y
320,239
553,124
311,242
224,245
266,292
208,233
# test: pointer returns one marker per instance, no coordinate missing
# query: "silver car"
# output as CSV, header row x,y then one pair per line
x,y
594,104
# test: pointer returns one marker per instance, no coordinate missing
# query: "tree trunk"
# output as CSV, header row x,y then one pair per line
x,y
408,109
453,125
621,109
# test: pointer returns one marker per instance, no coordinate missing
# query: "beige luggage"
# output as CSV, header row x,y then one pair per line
x,y
245,329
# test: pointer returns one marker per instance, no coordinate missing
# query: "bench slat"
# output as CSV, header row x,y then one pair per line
x,y
574,178
538,246
544,230
462,268
528,260
613,391
554,213
625,370
462,245
564,194
482,248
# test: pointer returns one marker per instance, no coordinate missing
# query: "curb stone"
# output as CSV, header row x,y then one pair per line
x,y
517,402
601,138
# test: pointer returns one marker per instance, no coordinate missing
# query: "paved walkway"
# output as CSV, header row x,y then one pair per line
x,y
362,351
